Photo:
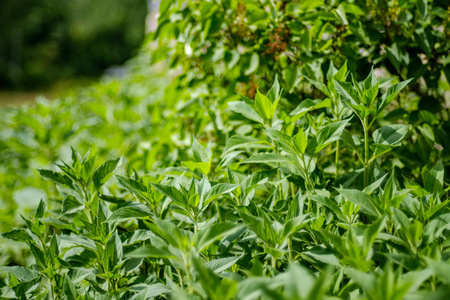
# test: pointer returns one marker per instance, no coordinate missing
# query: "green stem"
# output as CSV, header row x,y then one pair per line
x,y
366,151
336,161
291,254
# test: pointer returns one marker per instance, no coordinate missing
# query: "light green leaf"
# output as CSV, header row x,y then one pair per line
x,y
103,173
347,92
239,141
361,199
254,63
70,205
340,14
207,236
320,86
330,133
78,240
245,110
293,225
133,186
171,192
434,181
274,93
151,251
130,212
201,154
266,158
221,264
20,272
423,8
263,106
70,292
219,189
300,141
391,93
56,177
391,134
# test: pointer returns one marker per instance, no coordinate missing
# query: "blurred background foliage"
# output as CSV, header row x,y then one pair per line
x,y
42,41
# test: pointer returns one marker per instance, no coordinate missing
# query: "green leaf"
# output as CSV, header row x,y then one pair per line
x,y
70,205
320,86
103,173
137,211
209,281
20,272
40,210
300,141
340,14
254,63
308,105
39,255
168,232
391,93
20,235
282,139
380,149
222,264
293,289
434,181
149,291
201,154
293,225
371,233
171,192
207,236
58,223
324,256
391,134
371,94
70,292
134,187
331,204
113,252
361,199
56,177
239,142
330,133
435,227
266,158
245,110
78,240
219,189
422,5
151,251
263,106
274,93
347,92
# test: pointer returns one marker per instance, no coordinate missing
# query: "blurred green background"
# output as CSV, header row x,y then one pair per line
x,y
46,42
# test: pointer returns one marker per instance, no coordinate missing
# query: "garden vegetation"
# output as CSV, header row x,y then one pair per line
x,y
256,150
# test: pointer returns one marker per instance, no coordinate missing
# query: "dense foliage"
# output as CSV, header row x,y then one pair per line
x,y
295,150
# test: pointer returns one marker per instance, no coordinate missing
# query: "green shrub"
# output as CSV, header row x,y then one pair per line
x,y
324,183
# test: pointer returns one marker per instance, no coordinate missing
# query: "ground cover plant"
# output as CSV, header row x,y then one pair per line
x,y
240,177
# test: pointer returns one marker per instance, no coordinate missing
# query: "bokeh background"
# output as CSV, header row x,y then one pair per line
x,y
49,46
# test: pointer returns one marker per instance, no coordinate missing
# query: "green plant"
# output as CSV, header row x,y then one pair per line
x,y
311,186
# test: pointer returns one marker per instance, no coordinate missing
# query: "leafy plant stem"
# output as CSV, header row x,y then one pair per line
x,y
336,162
366,151
291,254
